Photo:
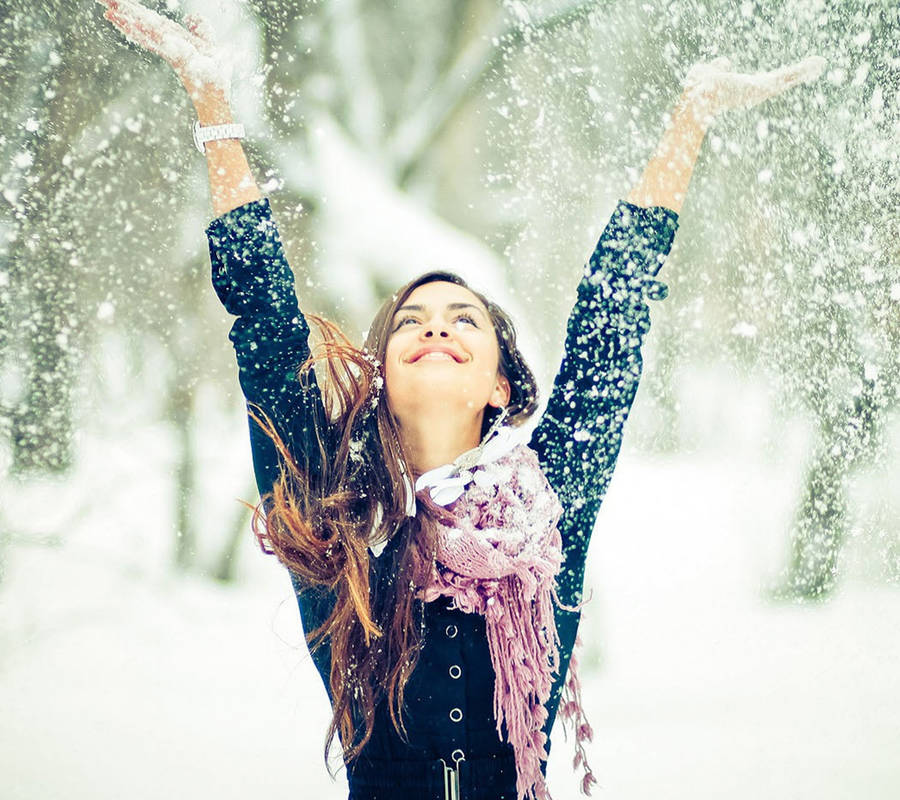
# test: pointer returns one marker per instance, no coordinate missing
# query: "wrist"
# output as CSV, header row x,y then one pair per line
x,y
213,109
214,116
696,109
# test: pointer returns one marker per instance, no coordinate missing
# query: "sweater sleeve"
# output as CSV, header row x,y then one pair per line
x,y
254,282
579,435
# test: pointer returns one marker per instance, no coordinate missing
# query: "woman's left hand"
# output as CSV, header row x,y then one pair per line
x,y
713,87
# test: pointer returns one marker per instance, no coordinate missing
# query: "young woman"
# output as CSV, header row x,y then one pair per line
x,y
437,552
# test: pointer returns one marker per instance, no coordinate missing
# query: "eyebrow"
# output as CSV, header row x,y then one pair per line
x,y
451,306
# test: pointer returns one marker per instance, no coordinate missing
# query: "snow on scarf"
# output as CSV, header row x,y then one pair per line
x,y
498,552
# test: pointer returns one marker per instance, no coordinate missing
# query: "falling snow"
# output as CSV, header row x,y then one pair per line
x,y
723,428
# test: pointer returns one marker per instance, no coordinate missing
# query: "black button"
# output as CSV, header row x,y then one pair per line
x,y
456,714
455,671
451,631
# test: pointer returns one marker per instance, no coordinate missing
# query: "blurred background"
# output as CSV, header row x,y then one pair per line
x,y
742,639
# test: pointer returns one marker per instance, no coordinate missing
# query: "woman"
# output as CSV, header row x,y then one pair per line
x,y
436,551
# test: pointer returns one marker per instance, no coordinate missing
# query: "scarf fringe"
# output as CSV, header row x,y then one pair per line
x,y
572,710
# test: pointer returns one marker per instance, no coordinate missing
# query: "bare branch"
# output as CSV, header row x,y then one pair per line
x,y
412,138
365,112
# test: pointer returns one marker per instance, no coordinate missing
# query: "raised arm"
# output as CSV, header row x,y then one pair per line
x,y
580,433
710,89
254,282
204,69
579,437
250,273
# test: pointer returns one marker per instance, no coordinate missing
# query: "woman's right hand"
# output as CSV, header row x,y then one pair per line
x,y
191,51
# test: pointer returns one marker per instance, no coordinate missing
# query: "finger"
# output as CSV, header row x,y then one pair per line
x,y
133,24
150,20
109,5
803,71
199,25
133,32
156,33
780,80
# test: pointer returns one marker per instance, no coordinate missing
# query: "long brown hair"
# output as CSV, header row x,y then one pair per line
x,y
346,489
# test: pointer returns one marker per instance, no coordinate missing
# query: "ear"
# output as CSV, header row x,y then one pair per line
x,y
502,392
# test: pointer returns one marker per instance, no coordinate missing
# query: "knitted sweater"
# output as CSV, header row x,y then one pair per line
x,y
577,440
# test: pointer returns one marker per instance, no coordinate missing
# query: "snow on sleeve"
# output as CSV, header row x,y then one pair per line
x,y
250,272
580,434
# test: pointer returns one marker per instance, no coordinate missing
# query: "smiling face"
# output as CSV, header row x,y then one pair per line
x,y
442,354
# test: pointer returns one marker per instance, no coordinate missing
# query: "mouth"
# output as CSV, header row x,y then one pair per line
x,y
436,355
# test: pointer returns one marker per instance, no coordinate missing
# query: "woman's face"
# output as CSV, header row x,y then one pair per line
x,y
442,354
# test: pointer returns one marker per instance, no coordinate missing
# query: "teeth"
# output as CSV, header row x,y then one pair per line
x,y
436,355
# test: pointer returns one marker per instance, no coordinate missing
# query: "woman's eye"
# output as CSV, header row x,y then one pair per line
x,y
401,323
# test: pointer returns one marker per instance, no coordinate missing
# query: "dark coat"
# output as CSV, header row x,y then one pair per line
x,y
449,696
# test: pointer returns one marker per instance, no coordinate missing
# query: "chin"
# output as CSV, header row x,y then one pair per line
x,y
436,396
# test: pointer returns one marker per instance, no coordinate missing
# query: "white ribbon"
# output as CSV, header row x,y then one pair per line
x,y
449,481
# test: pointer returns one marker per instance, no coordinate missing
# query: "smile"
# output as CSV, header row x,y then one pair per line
x,y
436,353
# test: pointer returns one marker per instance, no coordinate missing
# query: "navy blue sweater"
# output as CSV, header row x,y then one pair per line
x,y
449,698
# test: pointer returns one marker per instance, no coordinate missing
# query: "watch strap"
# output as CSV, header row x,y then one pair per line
x,y
208,133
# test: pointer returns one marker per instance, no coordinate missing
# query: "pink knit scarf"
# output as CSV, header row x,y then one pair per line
x,y
498,553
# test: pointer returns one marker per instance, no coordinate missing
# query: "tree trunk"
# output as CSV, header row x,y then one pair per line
x,y
226,568
44,263
41,422
181,414
820,521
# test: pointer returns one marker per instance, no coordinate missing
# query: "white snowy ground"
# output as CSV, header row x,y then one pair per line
x,y
118,680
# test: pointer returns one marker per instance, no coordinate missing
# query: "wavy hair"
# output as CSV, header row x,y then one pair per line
x,y
346,488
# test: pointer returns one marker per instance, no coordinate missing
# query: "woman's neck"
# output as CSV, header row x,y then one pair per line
x,y
435,440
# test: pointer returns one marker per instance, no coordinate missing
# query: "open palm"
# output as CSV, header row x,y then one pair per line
x,y
715,87
191,51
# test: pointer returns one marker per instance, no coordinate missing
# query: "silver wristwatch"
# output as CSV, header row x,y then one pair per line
x,y
203,134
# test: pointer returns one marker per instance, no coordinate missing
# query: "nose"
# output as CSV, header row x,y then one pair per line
x,y
435,328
